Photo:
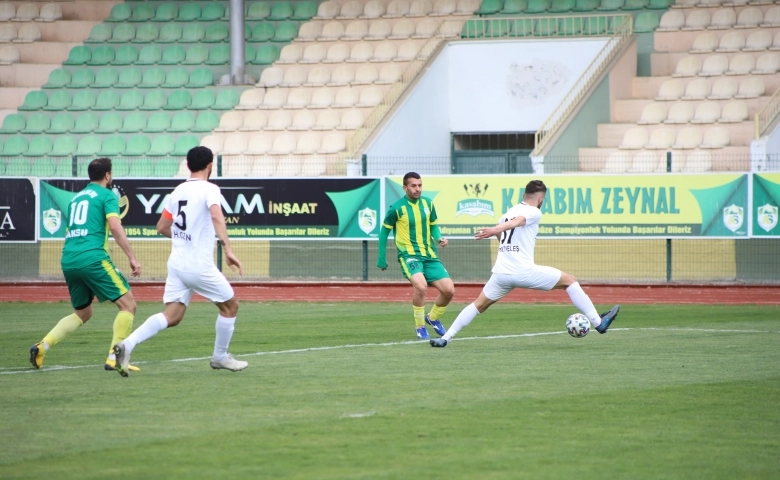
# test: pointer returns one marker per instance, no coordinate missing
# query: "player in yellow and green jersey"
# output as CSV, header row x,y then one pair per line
x,y
86,265
412,220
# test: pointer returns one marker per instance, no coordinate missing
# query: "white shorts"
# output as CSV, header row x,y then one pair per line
x,y
210,283
537,277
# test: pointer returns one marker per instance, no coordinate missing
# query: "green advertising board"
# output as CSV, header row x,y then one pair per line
x,y
766,200
662,206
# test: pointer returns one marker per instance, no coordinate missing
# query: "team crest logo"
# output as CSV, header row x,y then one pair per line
x,y
367,220
52,219
733,217
767,217
124,203
475,206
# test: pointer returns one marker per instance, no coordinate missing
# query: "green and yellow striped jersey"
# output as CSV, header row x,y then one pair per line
x,y
411,222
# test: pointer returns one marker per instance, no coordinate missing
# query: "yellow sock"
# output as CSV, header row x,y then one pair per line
x,y
62,330
123,325
419,316
436,312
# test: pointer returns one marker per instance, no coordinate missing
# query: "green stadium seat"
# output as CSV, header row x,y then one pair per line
x,y
58,78
220,55
82,100
178,100
262,32
635,5
2,162
82,78
61,123
522,27
173,55
107,100
142,13
281,11
196,55
610,5
660,4
89,145
595,25
226,100
285,32
131,100
304,11
122,33
181,122
561,6
615,23
515,7
81,166
166,167
106,78
58,100
266,55
14,147
586,5
497,28
188,12
146,33
203,100
199,78
166,12
153,78
161,145
546,27
250,52
86,123
170,33
570,26
119,13
101,56
473,29
149,55
78,56
43,167
206,122
120,167
134,122
193,33
215,33
34,100
37,123
258,11
184,144
176,78
538,6
489,7
129,78
141,167
112,146
64,165
646,22
100,33
158,123
40,146
247,31
154,100
212,11
64,146
18,167
109,123
13,123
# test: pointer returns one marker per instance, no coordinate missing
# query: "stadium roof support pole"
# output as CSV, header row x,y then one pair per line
x,y
237,61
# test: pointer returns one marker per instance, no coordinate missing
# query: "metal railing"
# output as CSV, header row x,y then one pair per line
x,y
767,114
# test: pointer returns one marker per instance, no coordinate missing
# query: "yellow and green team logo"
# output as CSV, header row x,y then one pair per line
x,y
733,217
367,220
766,215
52,220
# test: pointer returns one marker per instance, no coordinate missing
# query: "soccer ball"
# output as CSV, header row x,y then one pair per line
x,y
578,325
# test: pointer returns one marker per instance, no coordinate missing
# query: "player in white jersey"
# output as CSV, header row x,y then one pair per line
x,y
515,267
191,218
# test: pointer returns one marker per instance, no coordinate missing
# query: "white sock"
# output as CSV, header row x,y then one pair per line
x,y
225,328
581,300
151,327
464,318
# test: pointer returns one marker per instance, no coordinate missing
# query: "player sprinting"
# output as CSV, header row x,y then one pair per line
x,y
87,266
191,218
412,219
515,268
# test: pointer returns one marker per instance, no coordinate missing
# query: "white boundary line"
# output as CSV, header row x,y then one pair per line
x,y
18,370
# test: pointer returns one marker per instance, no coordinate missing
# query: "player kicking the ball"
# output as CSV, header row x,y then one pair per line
x,y
515,268
191,218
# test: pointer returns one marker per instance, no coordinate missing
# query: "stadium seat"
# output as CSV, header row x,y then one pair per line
x,y
291,53
332,31
741,64
617,162
259,144
661,138
122,33
184,144
199,78
137,146
149,55
722,19
420,8
58,100
283,144
175,78
538,6
100,33
203,100
758,41
266,55
751,87
34,100
196,55
688,66
13,123
177,100
294,77
58,78
425,28
18,167
313,167
697,162
697,89
298,98
79,55
140,167
134,122
671,21
166,12
226,100
7,11
101,56
206,122
129,78
361,53
152,78
557,6
262,32
279,120
281,11
322,98
342,75
350,10
731,42
37,123
379,30
166,167
82,78
28,33
681,112
646,22
170,33
317,77
188,12
714,65
705,43
43,167
14,147
351,120
307,144
313,54
634,138
258,11
687,138
271,77
749,17
105,78
161,145
285,32
395,9
220,55
112,146
137,122
8,33
193,33
40,146
327,10
366,75
86,123
146,33
212,11
303,120
734,112
659,4
333,143
253,121
173,55
767,64
64,146
644,162
131,100
89,145
697,20
216,33
273,99
706,112
109,123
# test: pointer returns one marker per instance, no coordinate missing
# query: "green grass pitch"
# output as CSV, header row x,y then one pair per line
x,y
340,391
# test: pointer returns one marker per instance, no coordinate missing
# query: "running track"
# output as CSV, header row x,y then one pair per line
x,y
398,292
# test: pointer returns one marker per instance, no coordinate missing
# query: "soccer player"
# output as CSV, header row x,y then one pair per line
x,y
88,268
191,218
412,220
515,268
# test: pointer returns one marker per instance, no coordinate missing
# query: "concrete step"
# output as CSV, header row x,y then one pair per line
x,y
630,110
682,41
611,134
647,87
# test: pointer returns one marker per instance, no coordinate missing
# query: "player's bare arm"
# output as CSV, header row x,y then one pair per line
x,y
488,232
164,224
218,219
115,225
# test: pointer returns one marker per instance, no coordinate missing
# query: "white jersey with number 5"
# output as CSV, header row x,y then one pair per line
x,y
192,231
516,246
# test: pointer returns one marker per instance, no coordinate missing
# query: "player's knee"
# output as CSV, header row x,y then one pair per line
x,y
567,280
229,309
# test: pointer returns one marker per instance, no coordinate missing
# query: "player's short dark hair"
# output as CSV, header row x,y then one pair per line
x,y
411,175
198,158
98,168
535,186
